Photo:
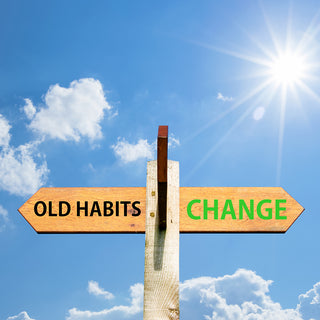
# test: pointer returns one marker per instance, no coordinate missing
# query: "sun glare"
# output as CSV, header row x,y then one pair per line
x,y
288,68
285,67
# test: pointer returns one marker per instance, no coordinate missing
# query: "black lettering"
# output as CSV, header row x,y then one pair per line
x,y
95,208
125,207
107,206
117,208
61,214
136,208
85,208
44,208
51,214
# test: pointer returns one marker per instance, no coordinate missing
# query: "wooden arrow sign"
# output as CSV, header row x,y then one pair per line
x,y
229,209
123,210
86,210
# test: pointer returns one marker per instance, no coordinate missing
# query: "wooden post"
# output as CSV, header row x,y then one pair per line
x,y
161,275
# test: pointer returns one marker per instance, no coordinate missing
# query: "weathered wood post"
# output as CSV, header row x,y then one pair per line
x,y
161,275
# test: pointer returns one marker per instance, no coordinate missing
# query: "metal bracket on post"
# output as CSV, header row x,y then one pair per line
x,y
162,173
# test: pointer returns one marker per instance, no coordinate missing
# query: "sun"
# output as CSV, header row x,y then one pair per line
x,y
285,68
288,68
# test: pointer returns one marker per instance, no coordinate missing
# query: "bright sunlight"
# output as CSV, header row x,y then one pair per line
x,y
288,68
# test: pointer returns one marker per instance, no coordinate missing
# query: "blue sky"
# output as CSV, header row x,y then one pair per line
x,y
84,86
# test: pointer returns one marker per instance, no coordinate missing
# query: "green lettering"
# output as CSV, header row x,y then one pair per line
x,y
190,204
268,210
228,209
243,205
278,209
206,209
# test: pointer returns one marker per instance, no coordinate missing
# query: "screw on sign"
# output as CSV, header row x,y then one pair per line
x,y
162,210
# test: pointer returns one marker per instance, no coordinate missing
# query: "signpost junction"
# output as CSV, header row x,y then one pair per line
x,y
162,210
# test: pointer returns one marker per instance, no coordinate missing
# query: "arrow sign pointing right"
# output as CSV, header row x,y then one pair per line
x,y
237,209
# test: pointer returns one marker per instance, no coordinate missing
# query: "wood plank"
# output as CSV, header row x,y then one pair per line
x,y
229,224
161,277
162,169
128,222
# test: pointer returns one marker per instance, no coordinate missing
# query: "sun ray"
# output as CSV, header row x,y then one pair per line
x,y
289,29
249,110
308,90
281,133
310,33
218,144
268,96
297,99
242,56
233,107
270,30
267,52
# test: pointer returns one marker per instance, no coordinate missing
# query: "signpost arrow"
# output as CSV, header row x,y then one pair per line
x,y
230,209
86,210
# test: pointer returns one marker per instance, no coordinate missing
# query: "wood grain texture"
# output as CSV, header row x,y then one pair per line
x,y
162,172
188,225
161,277
162,154
90,224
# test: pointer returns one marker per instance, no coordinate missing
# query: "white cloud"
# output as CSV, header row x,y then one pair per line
x,y
29,109
128,152
173,141
94,288
21,316
241,296
68,114
3,212
4,132
20,174
258,113
3,217
116,312
71,113
309,305
221,97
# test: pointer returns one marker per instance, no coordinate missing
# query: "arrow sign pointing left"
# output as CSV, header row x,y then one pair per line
x,y
86,210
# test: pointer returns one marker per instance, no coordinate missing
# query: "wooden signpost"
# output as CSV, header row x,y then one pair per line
x,y
162,210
